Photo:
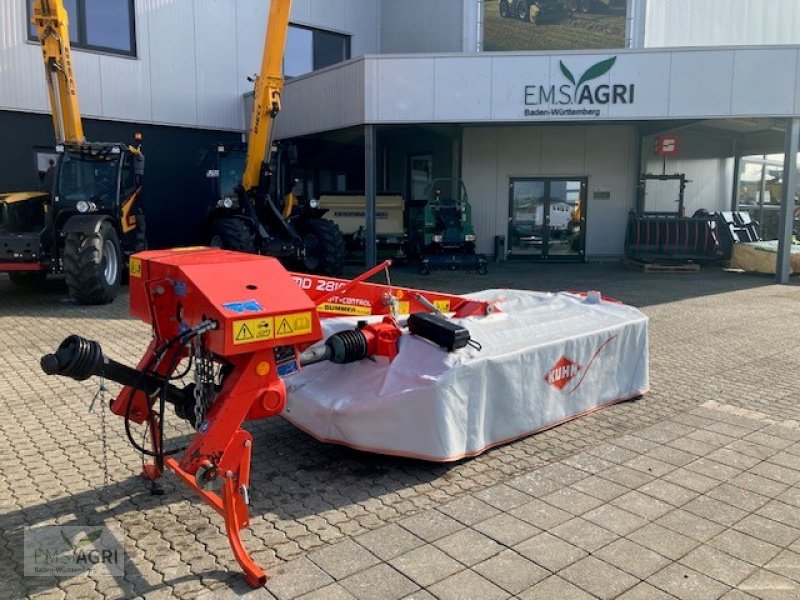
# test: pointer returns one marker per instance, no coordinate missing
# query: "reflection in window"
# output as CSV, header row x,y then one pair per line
x,y
106,25
310,49
761,191
299,57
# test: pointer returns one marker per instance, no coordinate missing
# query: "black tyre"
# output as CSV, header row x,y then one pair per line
x,y
93,265
28,279
141,233
232,234
323,246
505,9
424,267
523,10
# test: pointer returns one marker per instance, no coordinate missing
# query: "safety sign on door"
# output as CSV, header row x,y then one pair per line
x,y
250,331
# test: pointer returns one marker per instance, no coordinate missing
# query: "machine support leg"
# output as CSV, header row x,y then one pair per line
x,y
253,575
232,503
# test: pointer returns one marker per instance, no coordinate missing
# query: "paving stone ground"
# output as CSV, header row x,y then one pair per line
x,y
690,492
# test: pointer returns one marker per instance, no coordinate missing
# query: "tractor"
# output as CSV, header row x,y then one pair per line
x,y
534,11
448,234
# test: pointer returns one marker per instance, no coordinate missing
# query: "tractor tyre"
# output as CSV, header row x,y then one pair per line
x,y
93,265
505,9
523,10
324,247
140,244
232,234
27,279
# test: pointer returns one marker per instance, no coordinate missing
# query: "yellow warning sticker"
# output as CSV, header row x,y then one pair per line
x,y
250,331
442,305
293,324
135,267
344,309
403,307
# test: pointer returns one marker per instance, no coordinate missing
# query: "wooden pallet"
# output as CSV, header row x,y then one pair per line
x,y
654,267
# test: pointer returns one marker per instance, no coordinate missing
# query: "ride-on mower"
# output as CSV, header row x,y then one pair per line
x,y
410,373
449,236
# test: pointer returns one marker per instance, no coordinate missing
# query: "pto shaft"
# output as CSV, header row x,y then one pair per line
x,y
80,359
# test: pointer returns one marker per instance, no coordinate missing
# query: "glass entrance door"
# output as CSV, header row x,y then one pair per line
x,y
546,218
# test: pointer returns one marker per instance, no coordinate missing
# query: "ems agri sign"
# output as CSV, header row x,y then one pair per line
x,y
577,96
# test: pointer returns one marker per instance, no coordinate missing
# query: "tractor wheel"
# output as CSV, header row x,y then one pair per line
x,y
27,279
141,234
232,234
523,10
424,268
505,9
93,265
324,248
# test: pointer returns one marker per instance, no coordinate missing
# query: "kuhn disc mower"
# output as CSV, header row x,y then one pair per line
x,y
449,376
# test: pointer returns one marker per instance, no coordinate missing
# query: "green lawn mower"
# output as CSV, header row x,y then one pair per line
x,y
448,232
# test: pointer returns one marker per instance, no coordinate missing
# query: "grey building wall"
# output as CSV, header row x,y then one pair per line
x,y
721,22
707,161
414,26
194,57
606,154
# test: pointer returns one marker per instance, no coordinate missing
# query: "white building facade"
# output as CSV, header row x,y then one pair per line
x,y
409,77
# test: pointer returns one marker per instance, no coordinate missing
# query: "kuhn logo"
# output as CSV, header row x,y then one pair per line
x,y
562,372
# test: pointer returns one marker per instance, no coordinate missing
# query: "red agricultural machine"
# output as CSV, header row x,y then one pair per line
x,y
241,323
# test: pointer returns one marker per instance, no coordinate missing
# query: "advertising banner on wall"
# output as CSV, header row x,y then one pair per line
x,y
510,25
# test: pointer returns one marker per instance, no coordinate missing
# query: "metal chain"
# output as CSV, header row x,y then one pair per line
x,y
101,395
104,438
204,382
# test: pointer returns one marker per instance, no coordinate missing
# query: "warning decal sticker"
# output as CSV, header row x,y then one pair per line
x,y
135,267
293,324
250,331
442,305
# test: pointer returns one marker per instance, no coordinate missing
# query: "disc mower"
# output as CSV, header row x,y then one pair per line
x,y
242,324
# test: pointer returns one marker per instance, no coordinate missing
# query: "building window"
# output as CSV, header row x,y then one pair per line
x,y
103,25
310,49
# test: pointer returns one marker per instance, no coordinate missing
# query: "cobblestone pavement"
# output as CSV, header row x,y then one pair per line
x,y
691,492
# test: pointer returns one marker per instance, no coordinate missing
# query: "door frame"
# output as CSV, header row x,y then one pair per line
x,y
544,255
